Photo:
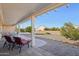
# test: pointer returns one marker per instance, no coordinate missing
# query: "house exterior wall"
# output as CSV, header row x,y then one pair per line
x,y
41,28
9,28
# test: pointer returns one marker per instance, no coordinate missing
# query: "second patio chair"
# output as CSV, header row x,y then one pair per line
x,y
21,42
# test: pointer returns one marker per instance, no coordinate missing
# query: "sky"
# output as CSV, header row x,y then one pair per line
x,y
57,17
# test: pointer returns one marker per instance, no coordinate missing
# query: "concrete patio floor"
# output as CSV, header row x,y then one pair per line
x,y
25,51
51,48
60,49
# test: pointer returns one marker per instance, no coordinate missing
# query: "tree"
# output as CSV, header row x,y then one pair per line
x,y
47,28
22,30
28,29
55,29
52,29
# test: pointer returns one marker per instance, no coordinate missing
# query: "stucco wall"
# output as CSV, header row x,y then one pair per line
x,y
9,28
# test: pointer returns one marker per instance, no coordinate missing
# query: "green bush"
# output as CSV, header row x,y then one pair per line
x,y
47,33
55,29
27,29
69,31
22,30
52,29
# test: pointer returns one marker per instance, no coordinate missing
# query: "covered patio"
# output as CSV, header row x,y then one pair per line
x,y
12,15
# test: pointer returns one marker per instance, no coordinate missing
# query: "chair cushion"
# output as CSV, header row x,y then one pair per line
x,y
25,41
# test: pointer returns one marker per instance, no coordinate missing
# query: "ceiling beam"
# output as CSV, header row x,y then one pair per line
x,y
48,8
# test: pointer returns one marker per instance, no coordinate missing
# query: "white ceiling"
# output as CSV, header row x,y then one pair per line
x,y
11,13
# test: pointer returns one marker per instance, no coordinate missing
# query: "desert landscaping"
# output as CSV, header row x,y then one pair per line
x,y
56,35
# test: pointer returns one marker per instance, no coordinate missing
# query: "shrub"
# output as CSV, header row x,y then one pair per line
x,y
69,31
22,30
47,33
52,29
55,29
28,29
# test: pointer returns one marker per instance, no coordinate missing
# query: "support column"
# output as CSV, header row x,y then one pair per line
x,y
18,29
0,28
33,30
0,32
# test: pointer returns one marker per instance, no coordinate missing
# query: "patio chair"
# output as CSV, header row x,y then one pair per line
x,y
21,42
9,42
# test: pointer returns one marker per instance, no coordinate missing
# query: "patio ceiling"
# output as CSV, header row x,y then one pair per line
x,y
13,13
